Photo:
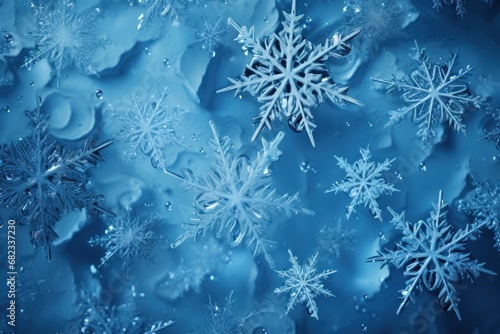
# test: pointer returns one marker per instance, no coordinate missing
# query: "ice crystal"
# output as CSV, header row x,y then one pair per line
x,y
379,20
43,180
128,238
433,257
334,239
221,320
210,35
364,182
99,318
484,206
237,197
304,284
434,93
149,128
64,37
6,43
492,129
459,5
157,9
30,286
289,75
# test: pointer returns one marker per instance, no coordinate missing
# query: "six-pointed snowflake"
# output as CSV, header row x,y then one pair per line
x,y
64,37
221,320
304,284
128,238
149,127
484,206
434,93
364,182
210,35
289,75
433,257
334,239
43,180
237,197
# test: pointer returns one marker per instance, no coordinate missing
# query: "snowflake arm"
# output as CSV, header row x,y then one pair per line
x,y
237,197
149,128
221,320
492,130
433,257
289,75
364,182
334,239
434,94
304,284
44,180
153,9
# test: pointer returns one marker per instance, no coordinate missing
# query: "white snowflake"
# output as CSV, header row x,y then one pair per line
x,y
237,197
149,128
433,257
210,35
304,284
364,182
289,75
155,9
334,239
435,93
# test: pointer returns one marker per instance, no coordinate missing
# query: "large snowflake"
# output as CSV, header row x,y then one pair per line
x,y
128,238
64,37
433,257
304,284
289,75
484,206
435,93
364,182
237,197
149,128
43,180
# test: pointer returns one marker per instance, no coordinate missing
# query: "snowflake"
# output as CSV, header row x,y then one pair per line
x,y
6,43
435,94
379,20
154,9
459,5
149,127
210,35
99,318
492,130
334,239
364,182
289,74
434,257
43,180
484,206
64,37
303,284
221,320
128,238
237,197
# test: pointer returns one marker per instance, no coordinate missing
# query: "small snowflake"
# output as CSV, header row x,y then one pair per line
x,y
6,43
304,284
289,75
155,9
492,129
149,128
237,197
484,206
459,5
221,320
433,257
128,238
334,239
64,37
435,93
364,182
210,35
43,180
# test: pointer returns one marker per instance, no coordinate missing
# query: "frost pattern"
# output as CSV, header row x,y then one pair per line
x,y
364,182
210,35
149,128
304,284
492,129
433,257
64,37
158,9
128,238
335,239
459,5
434,93
237,197
289,75
99,318
484,206
43,180
6,43
221,320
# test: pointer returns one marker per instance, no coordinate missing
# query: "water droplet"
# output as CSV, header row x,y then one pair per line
x,y
168,205
422,167
365,295
99,94
363,326
147,50
305,166
8,38
32,83
347,124
6,109
309,19
93,269
212,277
20,99
166,62
382,236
